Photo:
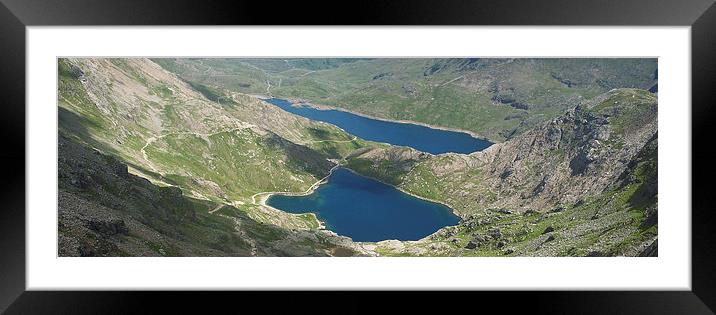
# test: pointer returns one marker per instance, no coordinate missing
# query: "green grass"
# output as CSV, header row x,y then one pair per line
x,y
229,160
627,107
422,182
456,96
162,91
384,170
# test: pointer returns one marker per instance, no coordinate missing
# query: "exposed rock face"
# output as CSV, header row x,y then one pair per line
x,y
103,176
383,76
108,228
508,100
651,251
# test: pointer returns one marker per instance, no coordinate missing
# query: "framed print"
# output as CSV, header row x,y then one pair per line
x,y
482,148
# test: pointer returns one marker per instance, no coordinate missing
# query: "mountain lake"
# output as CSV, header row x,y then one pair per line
x,y
367,210
422,138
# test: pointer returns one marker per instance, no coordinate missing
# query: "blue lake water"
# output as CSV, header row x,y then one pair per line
x,y
367,210
431,140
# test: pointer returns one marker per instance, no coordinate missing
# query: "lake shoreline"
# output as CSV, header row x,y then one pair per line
x,y
322,224
310,190
399,121
324,179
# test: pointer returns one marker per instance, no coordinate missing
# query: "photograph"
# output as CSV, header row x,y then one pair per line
x,y
357,156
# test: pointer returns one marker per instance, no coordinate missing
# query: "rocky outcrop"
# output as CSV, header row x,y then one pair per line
x,y
571,157
104,177
383,76
507,100
108,228
581,184
651,251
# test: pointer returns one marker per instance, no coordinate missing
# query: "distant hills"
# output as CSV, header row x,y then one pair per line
x,y
497,98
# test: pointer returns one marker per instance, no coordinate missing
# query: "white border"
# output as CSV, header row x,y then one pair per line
x,y
671,270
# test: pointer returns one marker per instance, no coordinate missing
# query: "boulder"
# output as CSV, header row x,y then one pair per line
x,y
477,238
108,228
495,233
557,209
579,163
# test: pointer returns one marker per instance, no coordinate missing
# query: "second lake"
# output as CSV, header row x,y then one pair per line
x,y
426,139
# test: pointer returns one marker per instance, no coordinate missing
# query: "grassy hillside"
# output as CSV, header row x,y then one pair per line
x,y
172,132
497,98
106,211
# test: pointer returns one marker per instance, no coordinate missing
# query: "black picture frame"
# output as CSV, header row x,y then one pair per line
x,y
15,15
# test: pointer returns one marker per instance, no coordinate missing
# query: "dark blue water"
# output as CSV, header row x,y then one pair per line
x,y
422,138
367,210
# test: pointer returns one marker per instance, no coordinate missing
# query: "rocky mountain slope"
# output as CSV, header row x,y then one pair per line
x,y
166,130
588,176
106,211
205,160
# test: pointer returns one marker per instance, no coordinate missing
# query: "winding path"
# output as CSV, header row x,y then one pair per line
x,y
308,191
152,139
237,222
453,80
219,206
